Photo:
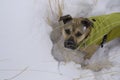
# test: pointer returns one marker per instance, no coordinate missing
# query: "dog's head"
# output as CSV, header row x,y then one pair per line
x,y
75,30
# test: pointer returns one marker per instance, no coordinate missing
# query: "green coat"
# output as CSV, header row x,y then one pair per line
x,y
103,25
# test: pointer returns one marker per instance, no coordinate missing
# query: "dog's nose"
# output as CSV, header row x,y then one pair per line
x,y
69,44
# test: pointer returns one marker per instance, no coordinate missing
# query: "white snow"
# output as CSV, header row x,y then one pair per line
x,y
25,45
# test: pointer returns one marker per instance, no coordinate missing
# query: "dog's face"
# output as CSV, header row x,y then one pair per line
x,y
75,30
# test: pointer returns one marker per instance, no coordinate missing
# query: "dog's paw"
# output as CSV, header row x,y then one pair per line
x,y
93,67
98,66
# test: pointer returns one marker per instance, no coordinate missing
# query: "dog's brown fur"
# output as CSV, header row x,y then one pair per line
x,y
76,26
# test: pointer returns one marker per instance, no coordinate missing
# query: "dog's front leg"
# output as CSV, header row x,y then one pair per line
x,y
90,51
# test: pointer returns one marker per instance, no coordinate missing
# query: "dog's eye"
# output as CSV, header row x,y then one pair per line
x,y
67,31
78,34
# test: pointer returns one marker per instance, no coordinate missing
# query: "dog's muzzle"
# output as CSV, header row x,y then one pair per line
x,y
70,44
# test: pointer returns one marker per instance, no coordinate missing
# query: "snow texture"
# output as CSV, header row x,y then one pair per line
x,y
25,45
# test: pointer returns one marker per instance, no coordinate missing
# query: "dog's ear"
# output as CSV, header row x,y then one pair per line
x,y
86,22
65,18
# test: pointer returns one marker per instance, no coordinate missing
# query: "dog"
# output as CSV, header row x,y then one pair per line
x,y
77,39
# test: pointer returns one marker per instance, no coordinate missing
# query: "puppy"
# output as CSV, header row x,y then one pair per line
x,y
77,39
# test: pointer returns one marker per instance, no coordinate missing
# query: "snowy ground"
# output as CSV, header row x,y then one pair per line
x,y
25,45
